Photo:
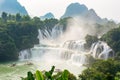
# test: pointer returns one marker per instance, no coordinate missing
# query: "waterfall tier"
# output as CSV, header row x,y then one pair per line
x,y
101,50
72,51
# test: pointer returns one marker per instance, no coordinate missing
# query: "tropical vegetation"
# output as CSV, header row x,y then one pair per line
x,y
19,32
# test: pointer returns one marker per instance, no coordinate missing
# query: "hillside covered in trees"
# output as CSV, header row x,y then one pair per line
x,y
20,32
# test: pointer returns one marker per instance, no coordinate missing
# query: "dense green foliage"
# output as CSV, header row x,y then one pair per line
x,y
50,23
24,34
8,50
16,34
19,33
113,39
90,40
48,75
102,70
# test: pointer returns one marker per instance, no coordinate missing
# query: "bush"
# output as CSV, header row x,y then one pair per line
x,y
101,70
48,75
8,50
90,40
113,39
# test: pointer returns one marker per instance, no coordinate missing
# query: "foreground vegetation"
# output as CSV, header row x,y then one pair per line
x,y
100,70
48,75
20,32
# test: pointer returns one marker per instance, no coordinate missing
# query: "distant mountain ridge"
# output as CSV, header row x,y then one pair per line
x,y
12,7
76,9
47,16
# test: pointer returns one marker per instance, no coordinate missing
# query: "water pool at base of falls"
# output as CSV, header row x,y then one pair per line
x,y
54,49
7,72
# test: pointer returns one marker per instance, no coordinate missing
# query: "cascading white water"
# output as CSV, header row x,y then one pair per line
x,y
74,45
57,31
45,39
75,51
72,51
78,59
101,50
25,54
50,34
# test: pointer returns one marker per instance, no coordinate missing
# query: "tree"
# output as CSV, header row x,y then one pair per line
x,y
24,34
113,39
26,18
38,22
18,17
36,19
50,23
90,40
4,16
8,50
9,17
101,70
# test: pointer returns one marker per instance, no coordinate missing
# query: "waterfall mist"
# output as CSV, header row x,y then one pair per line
x,y
67,49
77,29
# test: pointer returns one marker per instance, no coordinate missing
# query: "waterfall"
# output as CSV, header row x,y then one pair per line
x,y
75,53
25,54
47,34
57,31
74,45
66,55
72,51
101,50
79,58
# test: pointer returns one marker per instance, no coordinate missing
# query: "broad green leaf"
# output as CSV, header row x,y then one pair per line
x,y
39,75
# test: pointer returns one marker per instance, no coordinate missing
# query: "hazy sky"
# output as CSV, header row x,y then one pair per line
x,y
104,8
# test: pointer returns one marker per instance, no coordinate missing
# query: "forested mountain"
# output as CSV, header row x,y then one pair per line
x,y
19,32
12,7
80,10
47,16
